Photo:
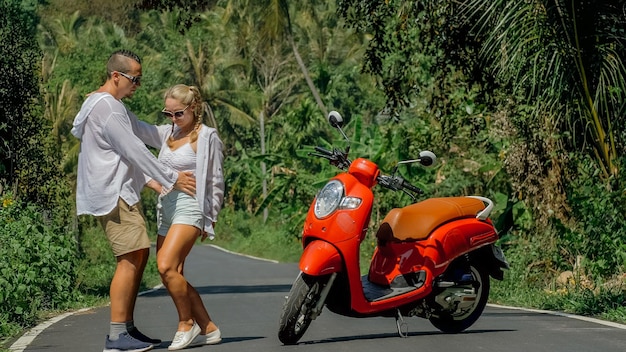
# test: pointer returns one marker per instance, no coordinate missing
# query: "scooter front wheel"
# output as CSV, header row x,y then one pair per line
x,y
299,307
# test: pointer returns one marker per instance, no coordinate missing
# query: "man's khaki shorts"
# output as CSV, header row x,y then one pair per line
x,y
125,228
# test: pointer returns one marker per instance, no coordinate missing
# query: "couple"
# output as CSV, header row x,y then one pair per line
x,y
114,165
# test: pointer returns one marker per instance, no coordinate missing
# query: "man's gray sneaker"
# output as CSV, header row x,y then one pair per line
x,y
126,343
141,337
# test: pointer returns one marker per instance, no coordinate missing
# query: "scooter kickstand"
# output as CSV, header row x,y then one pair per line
x,y
403,328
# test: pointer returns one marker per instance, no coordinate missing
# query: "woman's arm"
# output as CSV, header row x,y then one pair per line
x,y
154,185
152,135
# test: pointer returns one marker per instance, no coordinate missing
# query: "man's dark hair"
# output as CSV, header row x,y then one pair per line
x,y
118,61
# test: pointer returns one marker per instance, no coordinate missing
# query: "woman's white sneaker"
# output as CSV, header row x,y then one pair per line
x,y
211,338
183,339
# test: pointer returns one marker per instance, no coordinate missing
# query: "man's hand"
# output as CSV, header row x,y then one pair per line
x,y
186,183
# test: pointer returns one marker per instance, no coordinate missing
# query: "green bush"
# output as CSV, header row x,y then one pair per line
x,y
97,264
599,239
38,267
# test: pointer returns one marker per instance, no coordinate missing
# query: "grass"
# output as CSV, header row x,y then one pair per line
x,y
240,232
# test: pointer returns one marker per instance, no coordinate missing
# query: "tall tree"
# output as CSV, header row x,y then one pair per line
x,y
271,77
274,28
59,38
276,81
26,162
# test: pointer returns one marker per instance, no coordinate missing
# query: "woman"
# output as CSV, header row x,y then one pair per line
x,y
187,145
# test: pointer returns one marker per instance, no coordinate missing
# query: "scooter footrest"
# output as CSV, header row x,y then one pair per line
x,y
374,292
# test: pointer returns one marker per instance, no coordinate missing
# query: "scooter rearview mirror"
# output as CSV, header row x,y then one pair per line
x,y
427,158
335,119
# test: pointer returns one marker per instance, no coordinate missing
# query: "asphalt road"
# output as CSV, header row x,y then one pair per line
x,y
245,295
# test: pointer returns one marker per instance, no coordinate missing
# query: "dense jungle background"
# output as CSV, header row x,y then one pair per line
x,y
523,102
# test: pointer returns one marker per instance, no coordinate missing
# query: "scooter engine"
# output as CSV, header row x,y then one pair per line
x,y
456,297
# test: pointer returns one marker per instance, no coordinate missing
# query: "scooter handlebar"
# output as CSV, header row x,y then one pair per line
x,y
411,188
340,160
397,183
335,156
323,151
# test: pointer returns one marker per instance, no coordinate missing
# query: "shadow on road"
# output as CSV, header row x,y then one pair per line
x,y
228,289
395,336
227,340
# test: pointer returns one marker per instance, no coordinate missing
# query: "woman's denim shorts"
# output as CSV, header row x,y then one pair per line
x,y
179,208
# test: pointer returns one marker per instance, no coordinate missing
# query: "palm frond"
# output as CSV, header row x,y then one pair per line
x,y
558,55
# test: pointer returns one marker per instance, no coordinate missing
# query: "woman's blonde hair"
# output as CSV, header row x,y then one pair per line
x,y
187,95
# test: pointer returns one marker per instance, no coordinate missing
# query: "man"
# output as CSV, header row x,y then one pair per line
x,y
112,167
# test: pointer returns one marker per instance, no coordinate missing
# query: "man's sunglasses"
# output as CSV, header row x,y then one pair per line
x,y
176,114
136,80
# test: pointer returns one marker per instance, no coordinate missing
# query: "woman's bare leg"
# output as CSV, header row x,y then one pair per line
x,y
198,310
170,258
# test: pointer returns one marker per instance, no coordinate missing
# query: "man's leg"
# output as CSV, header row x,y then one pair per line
x,y
125,284
125,229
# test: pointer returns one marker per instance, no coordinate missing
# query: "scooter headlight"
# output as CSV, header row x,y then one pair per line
x,y
328,199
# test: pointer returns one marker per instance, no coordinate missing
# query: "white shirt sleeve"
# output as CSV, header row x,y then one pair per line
x,y
119,134
210,176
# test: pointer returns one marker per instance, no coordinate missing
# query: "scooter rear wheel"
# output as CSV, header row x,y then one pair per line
x,y
458,321
297,311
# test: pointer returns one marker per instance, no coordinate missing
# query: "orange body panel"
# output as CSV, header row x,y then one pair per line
x,y
365,171
320,258
432,254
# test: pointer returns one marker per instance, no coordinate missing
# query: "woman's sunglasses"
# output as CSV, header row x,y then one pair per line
x,y
174,115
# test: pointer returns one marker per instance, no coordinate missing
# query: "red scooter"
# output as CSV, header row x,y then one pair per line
x,y
433,258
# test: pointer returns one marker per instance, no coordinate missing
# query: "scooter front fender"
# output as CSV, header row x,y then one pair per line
x,y
320,258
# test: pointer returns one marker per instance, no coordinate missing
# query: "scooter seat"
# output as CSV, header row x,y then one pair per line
x,y
417,221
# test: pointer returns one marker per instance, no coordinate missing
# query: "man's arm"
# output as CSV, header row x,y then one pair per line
x,y
119,134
